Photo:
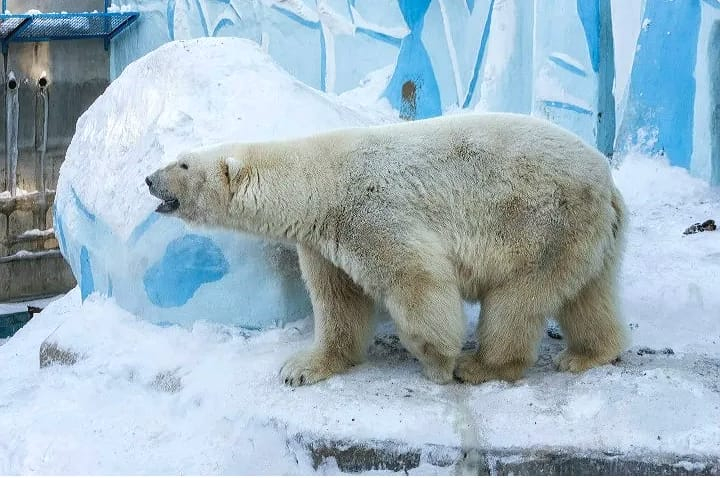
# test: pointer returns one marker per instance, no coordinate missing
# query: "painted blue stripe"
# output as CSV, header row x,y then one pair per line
x,y
589,13
171,19
567,66
605,139
413,12
87,283
143,227
567,106
203,22
81,207
390,40
480,56
470,5
297,18
225,22
662,83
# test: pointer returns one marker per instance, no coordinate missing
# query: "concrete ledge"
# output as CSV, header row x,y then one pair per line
x,y
356,457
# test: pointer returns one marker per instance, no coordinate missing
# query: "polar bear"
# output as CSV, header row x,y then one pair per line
x,y
509,210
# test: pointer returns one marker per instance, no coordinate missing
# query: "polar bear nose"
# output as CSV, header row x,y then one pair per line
x,y
148,181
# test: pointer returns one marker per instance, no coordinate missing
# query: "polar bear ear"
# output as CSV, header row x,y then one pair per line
x,y
232,168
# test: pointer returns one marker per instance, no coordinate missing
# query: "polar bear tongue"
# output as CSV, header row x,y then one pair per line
x,y
168,205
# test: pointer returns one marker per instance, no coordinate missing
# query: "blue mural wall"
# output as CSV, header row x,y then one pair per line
x,y
623,74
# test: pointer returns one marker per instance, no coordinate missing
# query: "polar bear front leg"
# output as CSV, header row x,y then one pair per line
x,y
343,322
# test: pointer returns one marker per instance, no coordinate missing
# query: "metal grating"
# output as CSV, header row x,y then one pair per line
x,y
62,26
10,24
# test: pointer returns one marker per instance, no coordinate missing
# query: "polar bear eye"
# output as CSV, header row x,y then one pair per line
x,y
184,165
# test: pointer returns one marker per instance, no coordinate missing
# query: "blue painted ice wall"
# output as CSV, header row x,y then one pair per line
x,y
623,74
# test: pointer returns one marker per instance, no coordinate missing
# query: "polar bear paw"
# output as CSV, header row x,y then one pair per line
x,y
308,367
572,362
470,369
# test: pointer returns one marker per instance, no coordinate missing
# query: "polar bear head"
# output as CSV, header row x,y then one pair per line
x,y
199,186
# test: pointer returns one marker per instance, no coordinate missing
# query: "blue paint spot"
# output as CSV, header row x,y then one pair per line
x,y
171,19
567,106
296,18
188,263
567,66
225,22
413,12
81,207
87,284
413,65
143,227
480,56
662,83
470,5
379,36
589,13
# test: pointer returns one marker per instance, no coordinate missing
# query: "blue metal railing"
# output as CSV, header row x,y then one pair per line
x,y
28,27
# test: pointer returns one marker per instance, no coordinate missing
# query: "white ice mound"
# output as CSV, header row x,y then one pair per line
x,y
183,95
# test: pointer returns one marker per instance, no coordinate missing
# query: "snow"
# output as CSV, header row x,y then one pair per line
x,y
18,192
12,307
153,400
36,233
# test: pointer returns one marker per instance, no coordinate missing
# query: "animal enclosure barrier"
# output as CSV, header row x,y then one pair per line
x,y
46,89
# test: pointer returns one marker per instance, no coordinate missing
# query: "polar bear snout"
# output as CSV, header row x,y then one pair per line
x,y
157,188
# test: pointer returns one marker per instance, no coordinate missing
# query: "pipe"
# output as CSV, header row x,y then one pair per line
x,y
11,138
42,128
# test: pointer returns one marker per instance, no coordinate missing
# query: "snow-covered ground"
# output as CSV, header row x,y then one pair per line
x,y
147,399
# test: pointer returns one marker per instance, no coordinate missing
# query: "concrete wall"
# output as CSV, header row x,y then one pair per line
x,y
621,73
77,72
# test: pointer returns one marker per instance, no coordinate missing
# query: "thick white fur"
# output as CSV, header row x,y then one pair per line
x,y
506,209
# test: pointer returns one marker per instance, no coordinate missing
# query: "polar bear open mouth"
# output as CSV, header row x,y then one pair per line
x,y
168,205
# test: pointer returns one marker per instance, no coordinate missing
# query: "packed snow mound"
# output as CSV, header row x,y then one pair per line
x,y
184,95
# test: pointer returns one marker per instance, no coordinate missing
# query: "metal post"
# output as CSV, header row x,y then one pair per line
x,y
106,40
41,144
11,145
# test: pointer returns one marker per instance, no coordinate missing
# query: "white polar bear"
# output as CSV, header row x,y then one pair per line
x,y
505,209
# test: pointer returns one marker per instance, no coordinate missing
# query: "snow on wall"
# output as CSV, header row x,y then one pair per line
x,y
622,74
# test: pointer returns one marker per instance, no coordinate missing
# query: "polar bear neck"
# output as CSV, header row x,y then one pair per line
x,y
284,190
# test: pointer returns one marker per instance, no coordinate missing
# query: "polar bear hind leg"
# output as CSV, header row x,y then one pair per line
x,y
590,325
509,332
